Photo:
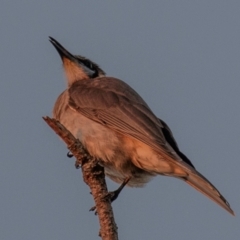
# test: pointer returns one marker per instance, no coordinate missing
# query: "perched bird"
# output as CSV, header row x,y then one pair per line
x,y
116,125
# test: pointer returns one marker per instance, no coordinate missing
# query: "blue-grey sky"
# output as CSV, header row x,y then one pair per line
x,y
183,57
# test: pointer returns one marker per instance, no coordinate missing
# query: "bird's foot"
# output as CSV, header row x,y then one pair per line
x,y
113,195
110,195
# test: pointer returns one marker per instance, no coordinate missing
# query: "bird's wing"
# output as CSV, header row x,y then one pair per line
x,y
112,103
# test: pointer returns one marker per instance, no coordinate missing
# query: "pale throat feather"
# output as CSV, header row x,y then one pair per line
x,y
73,72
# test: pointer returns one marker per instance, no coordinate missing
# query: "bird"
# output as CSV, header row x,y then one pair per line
x,y
116,126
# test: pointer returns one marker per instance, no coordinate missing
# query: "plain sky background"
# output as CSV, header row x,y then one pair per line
x,y
183,57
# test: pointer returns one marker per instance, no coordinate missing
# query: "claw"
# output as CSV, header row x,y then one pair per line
x,y
114,194
77,165
69,154
93,209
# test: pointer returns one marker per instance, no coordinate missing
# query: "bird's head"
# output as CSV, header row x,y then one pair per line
x,y
76,67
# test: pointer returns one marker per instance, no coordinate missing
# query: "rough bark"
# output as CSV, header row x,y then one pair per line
x,y
93,176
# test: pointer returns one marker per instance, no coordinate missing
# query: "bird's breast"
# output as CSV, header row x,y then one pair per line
x,y
115,150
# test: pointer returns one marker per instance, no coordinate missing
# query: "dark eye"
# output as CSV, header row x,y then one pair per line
x,y
92,67
89,65
95,74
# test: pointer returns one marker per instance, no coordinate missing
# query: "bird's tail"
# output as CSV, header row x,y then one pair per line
x,y
200,183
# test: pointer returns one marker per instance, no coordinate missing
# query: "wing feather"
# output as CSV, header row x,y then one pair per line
x,y
111,102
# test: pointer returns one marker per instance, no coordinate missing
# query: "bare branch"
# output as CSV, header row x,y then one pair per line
x,y
94,177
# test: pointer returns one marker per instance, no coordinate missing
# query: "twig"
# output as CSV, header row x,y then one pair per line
x,y
94,177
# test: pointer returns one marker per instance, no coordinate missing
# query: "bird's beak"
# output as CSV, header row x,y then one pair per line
x,y
61,50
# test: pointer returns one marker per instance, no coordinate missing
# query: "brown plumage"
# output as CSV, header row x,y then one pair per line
x,y
116,125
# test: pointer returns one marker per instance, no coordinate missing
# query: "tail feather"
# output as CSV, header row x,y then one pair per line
x,y
200,183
